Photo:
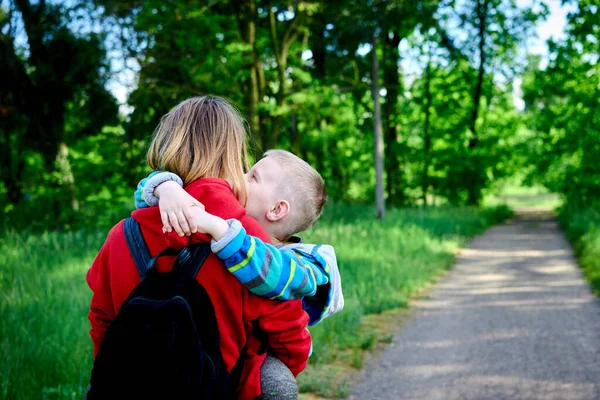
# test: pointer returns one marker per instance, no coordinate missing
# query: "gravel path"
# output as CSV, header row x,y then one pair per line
x,y
514,320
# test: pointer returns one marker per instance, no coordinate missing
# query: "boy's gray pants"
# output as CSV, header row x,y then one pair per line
x,y
277,381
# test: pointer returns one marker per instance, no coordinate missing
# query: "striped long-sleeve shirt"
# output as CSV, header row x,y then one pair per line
x,y
290,271
293,270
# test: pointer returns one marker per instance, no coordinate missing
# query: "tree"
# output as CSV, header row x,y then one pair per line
x,y
351,26
427,127
398,21
60,68
563,103
377,136
494,29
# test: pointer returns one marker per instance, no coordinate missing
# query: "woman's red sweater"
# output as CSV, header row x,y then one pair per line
x,y
113,276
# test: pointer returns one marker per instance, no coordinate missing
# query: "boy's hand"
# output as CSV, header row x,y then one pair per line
x,y
207,223
176,208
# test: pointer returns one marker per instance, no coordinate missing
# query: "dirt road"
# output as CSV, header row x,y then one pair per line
x,y
514,320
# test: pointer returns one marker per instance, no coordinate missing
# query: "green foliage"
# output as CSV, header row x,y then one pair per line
x,y
52,94
103,186
45,344
449,135
583,231
299,71
563,105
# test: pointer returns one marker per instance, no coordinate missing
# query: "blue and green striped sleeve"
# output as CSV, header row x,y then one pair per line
x,y
266,270
140,202
144,195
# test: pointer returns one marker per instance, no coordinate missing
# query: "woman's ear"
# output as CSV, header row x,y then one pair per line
x,y
278,211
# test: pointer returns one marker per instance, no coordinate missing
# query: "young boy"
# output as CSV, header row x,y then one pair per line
x,y
286,196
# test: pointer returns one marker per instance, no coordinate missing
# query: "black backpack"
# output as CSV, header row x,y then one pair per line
x,y
164,341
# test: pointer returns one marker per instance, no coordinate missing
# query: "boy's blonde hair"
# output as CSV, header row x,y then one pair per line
x,y
202,137
304,189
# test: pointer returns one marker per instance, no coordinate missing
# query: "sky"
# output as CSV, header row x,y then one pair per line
x,y
553,26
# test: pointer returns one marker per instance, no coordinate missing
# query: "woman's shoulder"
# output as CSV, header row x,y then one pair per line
x,y
115,232
217,197
202,184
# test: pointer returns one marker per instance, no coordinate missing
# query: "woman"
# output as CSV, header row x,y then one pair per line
x,y
203,141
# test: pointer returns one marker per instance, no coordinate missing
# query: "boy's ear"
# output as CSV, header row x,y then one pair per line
x,y
278,211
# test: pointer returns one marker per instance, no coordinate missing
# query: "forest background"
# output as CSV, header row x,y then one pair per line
x,y
446,97
463,105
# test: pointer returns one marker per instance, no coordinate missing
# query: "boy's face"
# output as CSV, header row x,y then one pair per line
x,y
263,179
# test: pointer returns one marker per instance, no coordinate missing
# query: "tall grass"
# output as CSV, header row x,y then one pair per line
x,y
44,298
44,301
582,227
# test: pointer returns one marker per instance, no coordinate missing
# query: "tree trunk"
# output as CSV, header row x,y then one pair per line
x,y
247,15
318,48
296,138
67,181
391,82
426,134
281,47
474,188
281,60
11,158
377,135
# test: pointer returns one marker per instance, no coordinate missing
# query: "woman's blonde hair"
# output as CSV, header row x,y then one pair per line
x,y
202,137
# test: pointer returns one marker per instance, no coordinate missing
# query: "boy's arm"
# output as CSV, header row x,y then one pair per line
x,y
290,272
266,270
144,195
176,202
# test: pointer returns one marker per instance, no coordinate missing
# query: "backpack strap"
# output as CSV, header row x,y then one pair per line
x,y
193,259
137,246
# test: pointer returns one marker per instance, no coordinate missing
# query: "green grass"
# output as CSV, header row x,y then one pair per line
x,y
44,298
515,196
43,308
582,228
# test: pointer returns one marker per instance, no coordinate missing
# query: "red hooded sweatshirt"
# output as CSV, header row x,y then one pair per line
x,y
113,276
